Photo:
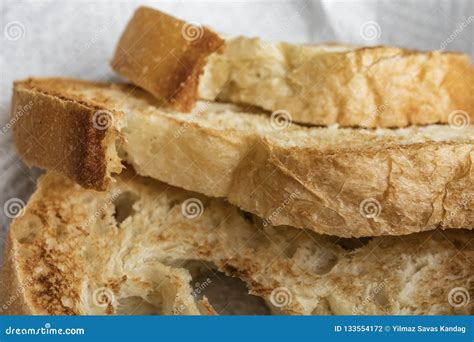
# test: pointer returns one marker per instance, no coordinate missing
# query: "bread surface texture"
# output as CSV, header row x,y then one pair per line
x,y
67,256
165,55
336,181
314,84
65,134
130,251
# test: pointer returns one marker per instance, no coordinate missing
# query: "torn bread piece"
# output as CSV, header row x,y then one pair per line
x,y
166,56
181,62
344,182
144,247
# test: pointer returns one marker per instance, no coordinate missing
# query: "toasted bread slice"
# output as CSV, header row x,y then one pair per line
x,y
136,248
173,62
315,84
344,182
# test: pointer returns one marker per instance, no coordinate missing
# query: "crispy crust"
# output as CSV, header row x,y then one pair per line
x,y
35,281
165,56
320,274
49,269
369,87
12,294
413,187
61,134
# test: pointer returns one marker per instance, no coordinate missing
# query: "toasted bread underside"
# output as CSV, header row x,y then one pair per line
x,y
63,258
343,182
316,84
138,248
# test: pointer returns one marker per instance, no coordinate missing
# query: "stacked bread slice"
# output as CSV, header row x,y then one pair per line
x,y
318,84
229,176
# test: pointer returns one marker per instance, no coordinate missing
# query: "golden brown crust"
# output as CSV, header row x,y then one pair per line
x,y
415,179
324,84
38,280
369,87
410,188
58,244
165,56
12,293
62,134
317,274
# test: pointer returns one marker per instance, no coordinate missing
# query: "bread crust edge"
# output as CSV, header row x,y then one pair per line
x,y
64,128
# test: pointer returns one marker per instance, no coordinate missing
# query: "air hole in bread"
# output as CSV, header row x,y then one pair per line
x,y
195,267
351,244
135,305
248,217
227,295
124,206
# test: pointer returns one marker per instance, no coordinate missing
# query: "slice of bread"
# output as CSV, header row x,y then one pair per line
x,y
379,86
344,182
65,255
141,248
